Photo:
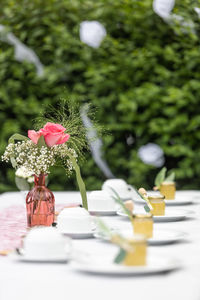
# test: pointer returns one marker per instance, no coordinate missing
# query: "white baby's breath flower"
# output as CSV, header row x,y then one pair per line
x,y
92,33
30,159
23,172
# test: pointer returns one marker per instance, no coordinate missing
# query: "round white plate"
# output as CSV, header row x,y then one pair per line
x,y
103,213
180,199
154,265
164,237
171,215
160,237
25,258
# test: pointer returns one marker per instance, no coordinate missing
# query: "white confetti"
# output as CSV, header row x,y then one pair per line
x,y
152,154
22,52
92,33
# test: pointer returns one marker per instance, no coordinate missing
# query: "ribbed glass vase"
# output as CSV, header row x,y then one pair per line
x,y
40,203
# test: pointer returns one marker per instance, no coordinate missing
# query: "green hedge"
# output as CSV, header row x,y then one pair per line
x,y
144,80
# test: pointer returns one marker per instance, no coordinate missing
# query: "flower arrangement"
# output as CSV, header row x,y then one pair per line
x,y
35,154
59,141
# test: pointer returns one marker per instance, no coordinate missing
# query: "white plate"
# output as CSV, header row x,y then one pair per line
x,y
171,215
103,213
180,199
160,237
80,235
154,265
164,237
25,258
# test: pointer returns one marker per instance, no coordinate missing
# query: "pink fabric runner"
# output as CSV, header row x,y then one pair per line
x,y
13,226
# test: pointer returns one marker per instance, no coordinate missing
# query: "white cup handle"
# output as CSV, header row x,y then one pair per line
x,y
133,190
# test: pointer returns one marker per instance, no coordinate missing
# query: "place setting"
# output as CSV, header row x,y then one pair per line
x,y
43,245
130,257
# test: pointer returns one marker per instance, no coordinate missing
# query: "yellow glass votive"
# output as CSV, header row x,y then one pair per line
x,y
138,252
143,224
158,205
168,189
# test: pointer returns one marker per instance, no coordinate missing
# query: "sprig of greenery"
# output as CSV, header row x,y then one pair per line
x,y
114,238
148,207
103,228
161,177
118,200
67,113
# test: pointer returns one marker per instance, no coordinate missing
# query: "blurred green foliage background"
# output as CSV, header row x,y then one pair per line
x,y
144,80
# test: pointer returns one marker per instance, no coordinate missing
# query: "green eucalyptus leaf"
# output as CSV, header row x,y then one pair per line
x,y
160,177
171,177
22,184
13,162
120,256
17,137
146,208
41,142
103,228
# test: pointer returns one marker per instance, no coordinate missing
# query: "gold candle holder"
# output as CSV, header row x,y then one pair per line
x,y
136,256
143,224
158,204
168,189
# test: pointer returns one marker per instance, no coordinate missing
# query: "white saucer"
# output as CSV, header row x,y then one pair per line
x,y
25,258
160,237
97,265
171,215
103,213
180,199
80,235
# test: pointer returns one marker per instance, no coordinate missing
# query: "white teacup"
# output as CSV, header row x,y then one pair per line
x,y
74,220
120,186
45,243
101,201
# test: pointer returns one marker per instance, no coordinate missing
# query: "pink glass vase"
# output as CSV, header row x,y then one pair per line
x,y
40,203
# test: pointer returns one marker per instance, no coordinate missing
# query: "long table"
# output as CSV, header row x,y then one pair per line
x,y
20,280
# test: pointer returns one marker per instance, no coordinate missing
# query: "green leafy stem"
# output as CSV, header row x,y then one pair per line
x,y
118,200
80,181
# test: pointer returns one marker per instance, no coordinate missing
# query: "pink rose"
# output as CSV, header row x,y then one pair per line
x,y
34,135
53,134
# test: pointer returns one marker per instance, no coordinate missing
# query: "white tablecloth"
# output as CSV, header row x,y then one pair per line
x,y
59,281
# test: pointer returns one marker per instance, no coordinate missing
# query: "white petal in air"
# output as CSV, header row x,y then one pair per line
x,y
163,8
22,52
92,33
197,10
152,154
